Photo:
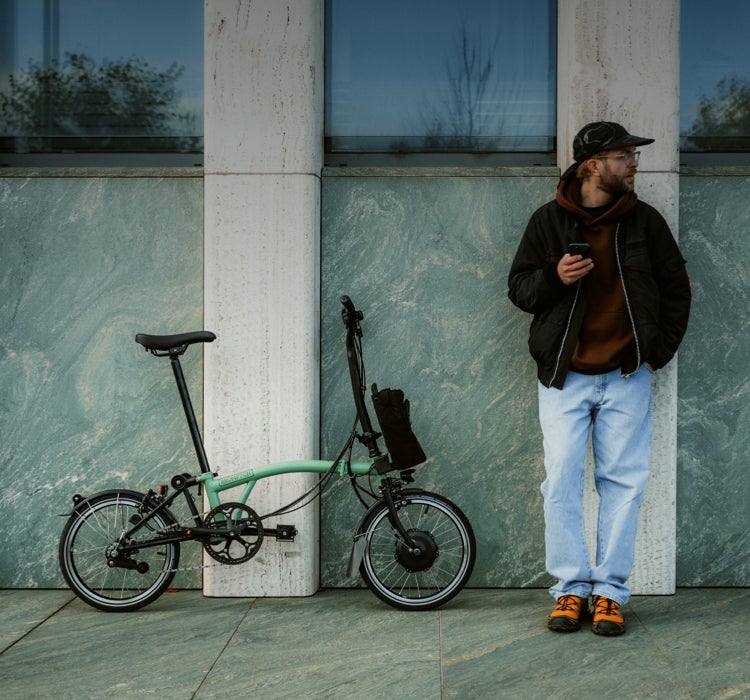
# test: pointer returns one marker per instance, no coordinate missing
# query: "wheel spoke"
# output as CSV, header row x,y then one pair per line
x,y
407,580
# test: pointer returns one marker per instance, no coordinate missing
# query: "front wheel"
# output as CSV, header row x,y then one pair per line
x,y
429,575
94,574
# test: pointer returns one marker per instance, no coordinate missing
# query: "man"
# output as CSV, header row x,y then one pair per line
x,y
603,322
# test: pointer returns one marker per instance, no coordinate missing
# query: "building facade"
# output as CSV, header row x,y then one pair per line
x,y
259,243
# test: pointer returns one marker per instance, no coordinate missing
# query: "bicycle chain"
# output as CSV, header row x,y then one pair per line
x,y
180,526
181,569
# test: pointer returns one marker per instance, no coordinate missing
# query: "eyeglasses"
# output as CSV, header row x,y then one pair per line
x,y
627,158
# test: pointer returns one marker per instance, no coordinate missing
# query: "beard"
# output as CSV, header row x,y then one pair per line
x,y
615,185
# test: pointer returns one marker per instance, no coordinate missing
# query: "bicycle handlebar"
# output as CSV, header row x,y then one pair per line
x,y
351,315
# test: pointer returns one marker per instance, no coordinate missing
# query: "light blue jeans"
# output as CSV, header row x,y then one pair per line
x,y
617,412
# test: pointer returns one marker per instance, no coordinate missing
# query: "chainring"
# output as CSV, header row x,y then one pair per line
x,y
242,536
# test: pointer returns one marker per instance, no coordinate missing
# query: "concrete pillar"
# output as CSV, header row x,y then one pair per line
x,y
263,157
619,61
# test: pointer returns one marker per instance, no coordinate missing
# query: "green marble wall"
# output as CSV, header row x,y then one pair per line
x,y
85,264
713,469
427,258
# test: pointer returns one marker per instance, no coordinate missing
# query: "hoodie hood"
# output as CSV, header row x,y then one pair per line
x,y
569,198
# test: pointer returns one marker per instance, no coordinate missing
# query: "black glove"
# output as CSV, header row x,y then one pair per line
x,y
392,411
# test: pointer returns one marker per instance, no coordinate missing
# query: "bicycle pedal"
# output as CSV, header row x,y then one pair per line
x,y
285,533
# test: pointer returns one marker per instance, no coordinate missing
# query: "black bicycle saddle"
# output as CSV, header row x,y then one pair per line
x,y
173,342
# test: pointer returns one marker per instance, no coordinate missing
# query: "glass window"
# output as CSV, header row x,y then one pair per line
x,y
715,77
100,76
476,76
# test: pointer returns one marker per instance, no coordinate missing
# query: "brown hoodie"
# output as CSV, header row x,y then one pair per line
x,y
606,332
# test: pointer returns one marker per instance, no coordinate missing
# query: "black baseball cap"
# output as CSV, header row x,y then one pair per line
x,y
603,136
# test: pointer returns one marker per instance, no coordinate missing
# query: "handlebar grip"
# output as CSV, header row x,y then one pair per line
x,y
350,313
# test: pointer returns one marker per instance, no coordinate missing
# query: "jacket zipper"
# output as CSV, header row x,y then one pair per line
x,y
567,326
565,335
627,304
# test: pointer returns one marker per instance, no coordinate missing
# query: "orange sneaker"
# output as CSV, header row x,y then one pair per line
x,y
566,617
608,619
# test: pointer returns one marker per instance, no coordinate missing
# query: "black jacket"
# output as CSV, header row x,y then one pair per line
x,y
652,270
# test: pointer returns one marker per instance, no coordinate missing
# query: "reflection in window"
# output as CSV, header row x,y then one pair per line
x,y
715,76
474,76
101,76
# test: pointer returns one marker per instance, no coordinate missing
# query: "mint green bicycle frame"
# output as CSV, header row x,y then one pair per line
x,y
174,346
214,485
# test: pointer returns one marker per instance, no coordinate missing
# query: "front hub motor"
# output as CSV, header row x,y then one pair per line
x,y
422,556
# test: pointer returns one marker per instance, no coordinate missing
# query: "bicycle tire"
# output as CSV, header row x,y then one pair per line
x,y
409,583
91,529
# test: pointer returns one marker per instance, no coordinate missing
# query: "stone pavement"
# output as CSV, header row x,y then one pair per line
x,y
346,644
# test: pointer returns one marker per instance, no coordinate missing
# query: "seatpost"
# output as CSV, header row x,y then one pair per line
x,y
195,432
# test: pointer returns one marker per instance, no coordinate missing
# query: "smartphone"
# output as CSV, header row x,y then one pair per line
x,y
583,249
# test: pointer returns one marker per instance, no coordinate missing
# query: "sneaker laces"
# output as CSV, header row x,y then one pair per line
x,y
605,607
569,602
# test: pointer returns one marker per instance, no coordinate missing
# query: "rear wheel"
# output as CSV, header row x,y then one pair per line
x,y
109,581
425,576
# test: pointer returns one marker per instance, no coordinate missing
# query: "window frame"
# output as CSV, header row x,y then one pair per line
x,y
44,22
449,158
689,157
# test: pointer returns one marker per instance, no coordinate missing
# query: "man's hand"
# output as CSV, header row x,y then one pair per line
x,y
572,267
